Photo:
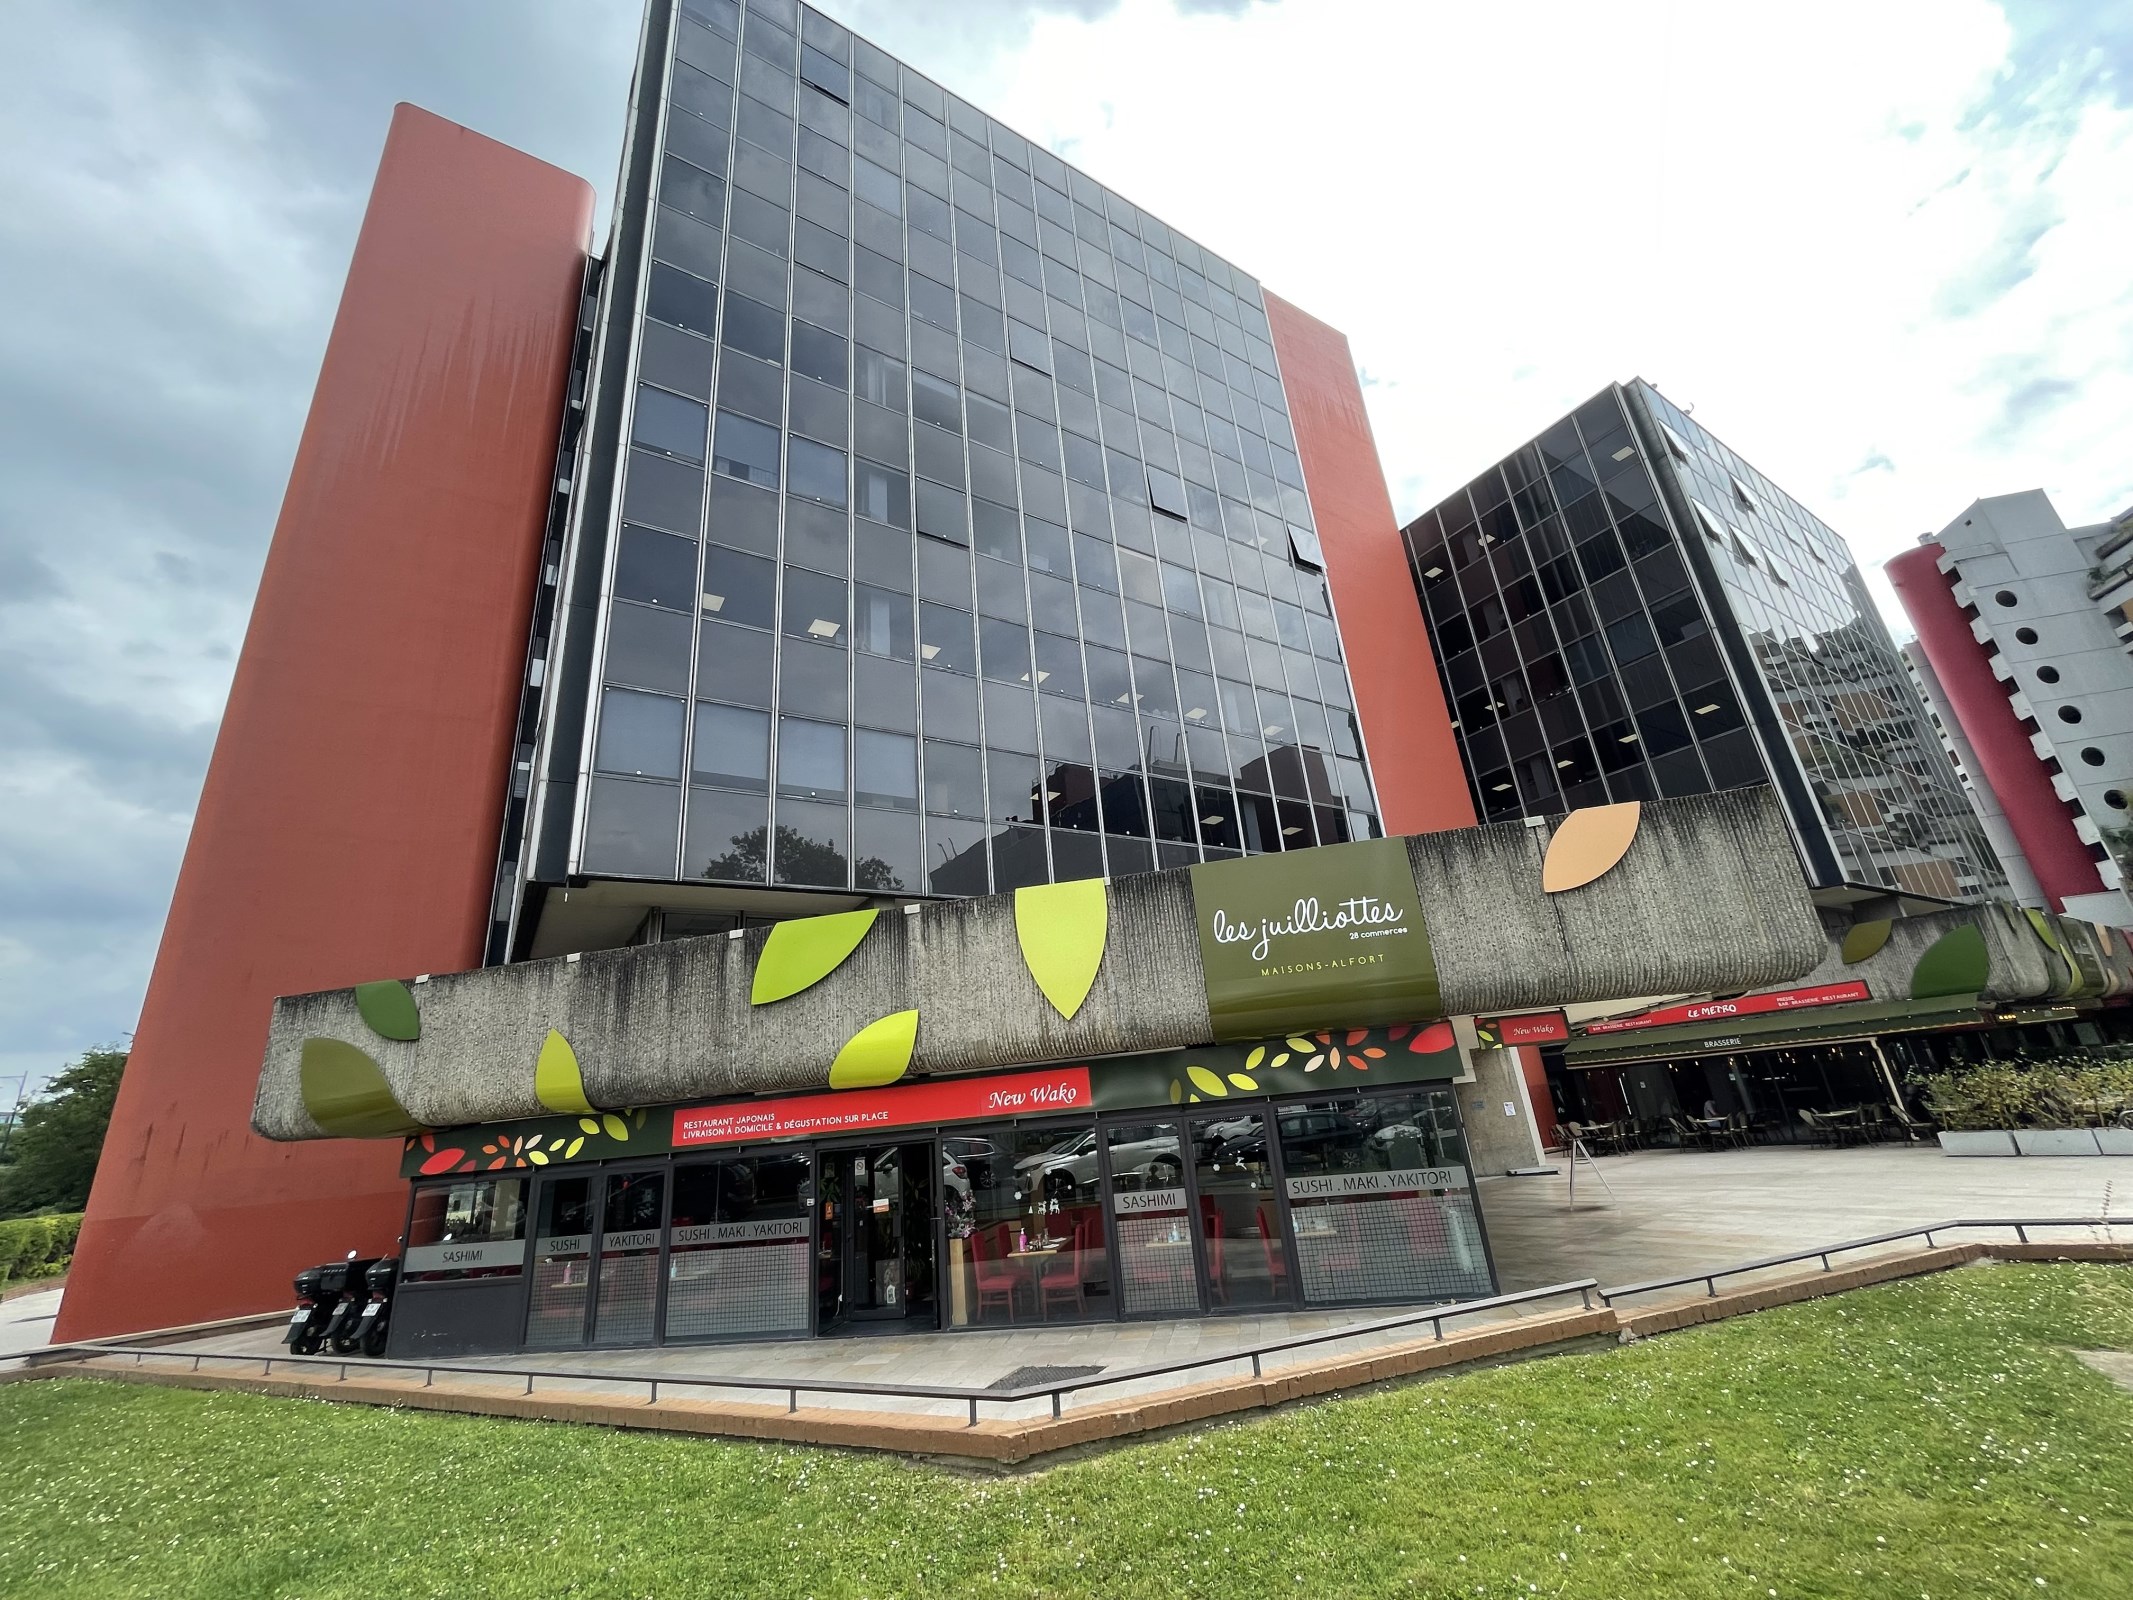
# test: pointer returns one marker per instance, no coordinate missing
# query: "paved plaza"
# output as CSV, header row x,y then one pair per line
x,y
1637,1216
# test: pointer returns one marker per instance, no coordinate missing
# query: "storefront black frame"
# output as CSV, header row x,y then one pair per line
x,y
932,1134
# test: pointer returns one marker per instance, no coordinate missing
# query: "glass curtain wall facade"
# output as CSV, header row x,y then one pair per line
x,y
1623,605
961,541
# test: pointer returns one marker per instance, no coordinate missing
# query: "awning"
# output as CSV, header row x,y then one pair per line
x,y
1775,1030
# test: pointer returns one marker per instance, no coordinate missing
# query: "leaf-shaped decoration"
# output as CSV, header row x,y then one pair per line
x,y
1206,1082
557,1083
1062,928
1251,1062
614,1126
1864,939
442,1161
877,1054
1244,1081
1588,843
1177,1091
388,1007
1438,1036
2051,936
1955,963
347,1095
801,953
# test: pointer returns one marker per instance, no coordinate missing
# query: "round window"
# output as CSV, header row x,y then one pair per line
x,y
2115,799
2026,635
2005,597
2092,755
2070,713
2047,674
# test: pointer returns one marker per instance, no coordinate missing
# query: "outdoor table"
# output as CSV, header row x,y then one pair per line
x,y
1036,1254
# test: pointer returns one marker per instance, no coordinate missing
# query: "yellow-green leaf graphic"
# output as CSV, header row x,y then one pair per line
x,y
1588,843
877,1054
388,1007
1243,1081
615,1126
557,1082
1955,963
1206,1082
1865,939
1062,928
801,953
347,1095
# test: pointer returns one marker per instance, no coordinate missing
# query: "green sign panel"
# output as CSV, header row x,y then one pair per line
x,y
1313,938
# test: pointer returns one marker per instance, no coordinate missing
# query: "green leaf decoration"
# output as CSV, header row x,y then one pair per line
x,y
1955,963
2045,931
1244,1081
616,1128
347,1095
1062,928
1864,939
801,953
557,1082
388,1006
1206,1082
877,1054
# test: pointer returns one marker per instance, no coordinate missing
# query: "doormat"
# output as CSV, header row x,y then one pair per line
x,y
1023,1377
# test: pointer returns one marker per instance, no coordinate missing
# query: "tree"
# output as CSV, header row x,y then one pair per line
x,y
800,860
56,1142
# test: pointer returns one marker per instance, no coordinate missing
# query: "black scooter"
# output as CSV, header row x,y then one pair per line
x,y
314,1307
376,1317
345,1280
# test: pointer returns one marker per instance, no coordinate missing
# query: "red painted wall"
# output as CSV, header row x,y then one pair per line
x,y
1535,1072
348,826
2017,777
1398,698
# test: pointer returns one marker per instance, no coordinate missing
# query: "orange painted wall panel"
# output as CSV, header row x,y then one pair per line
x,y
347,829
1413,754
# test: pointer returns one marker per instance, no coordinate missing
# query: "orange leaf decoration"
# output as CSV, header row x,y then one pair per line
x,y
1374,1053
1358,1035
442,1161
1588,843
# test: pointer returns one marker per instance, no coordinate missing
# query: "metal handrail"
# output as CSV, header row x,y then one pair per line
x,y
793,1388
1434,1318
1709,1279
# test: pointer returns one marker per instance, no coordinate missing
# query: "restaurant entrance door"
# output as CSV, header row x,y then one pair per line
x,y
877,1238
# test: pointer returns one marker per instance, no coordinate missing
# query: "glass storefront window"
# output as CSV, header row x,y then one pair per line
x,y
1025,1226
737,1263
1381,1200
630,1233
459,1231
1240,1218
1157,1274
562,1264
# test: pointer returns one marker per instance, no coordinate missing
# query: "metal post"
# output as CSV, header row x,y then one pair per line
x,y
268,1369
792,1401
654,1400
1710,1287
2021,1233
428,1375
1825,1261
1055,1392
529,1383
343,1378
1585,1295
973,1412
1255,1363
1436,1327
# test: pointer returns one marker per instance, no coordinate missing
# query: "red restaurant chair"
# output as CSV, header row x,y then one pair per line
x,y
996,1276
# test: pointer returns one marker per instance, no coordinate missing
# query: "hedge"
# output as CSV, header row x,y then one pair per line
x,y
37,1247
2062,1092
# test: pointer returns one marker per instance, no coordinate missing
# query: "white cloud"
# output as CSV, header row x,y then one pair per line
x,y
1799,221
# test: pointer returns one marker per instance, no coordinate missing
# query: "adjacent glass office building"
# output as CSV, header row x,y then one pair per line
x,y
1624,608
941,527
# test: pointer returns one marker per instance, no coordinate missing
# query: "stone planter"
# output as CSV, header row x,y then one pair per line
x,y
2056,1141
1989,1142
2115,1141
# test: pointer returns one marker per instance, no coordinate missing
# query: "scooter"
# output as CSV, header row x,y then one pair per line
x,y
345,1280
314,1306
377,1315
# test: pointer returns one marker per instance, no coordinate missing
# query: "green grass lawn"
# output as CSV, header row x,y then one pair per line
x,y
1926,1439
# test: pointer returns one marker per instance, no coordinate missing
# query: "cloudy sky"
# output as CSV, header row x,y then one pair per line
x,y
1882,249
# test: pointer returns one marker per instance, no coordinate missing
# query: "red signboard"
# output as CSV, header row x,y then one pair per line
x,y
1539,1027
907,1105
1748,1005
